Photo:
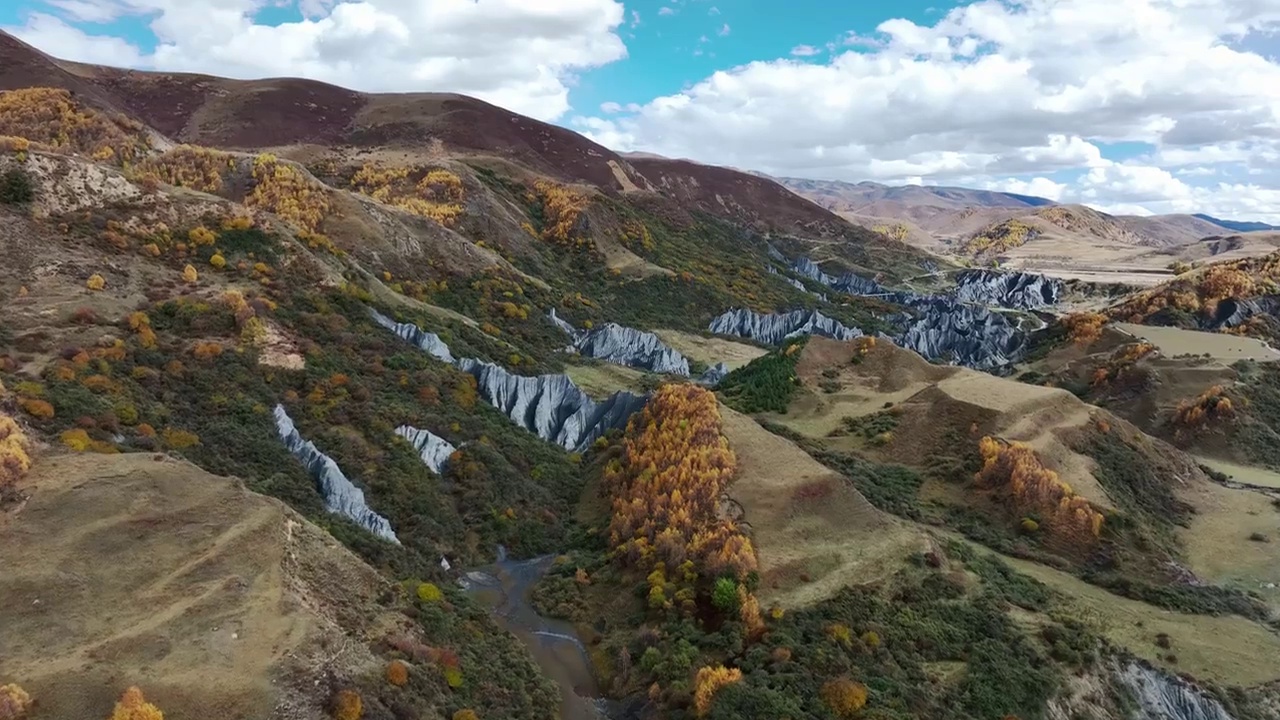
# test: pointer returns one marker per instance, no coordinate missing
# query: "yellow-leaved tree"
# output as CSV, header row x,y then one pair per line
x,y
189,274
709,681
133,706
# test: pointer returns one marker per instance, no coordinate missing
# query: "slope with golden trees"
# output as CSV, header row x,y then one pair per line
x,y
1033,489
49,118
665,491
1196,295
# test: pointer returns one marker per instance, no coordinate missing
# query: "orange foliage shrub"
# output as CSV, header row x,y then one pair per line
x,y
665,495
844,696
14,702
561,209
190,166
466,714
205,350
1034,488
1085,327
1212,405
51,118
397,673
347,705
709,681
132,706
36,408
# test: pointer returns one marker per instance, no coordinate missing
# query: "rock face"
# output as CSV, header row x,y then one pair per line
x,y
847,283
1165,697
1232,312
1022,291
772,329
961,334
433,449
551,406
341,496
713,375
415,335
625,346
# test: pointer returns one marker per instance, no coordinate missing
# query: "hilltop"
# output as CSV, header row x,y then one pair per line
x,y
1035,234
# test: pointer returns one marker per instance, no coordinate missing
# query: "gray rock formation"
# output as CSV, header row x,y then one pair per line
x,y
621,345
1166,697
341,496
551,406
1023,291
968,335
1232,312
415,335
433,449
568,329
772,329
713,375
850,283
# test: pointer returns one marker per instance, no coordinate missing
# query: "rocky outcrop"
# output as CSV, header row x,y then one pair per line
x,y
1166,697
960,334
621,345
415,335
551,406
850,283
772,329
713,375
1022,291
341,496
433,449
1233,312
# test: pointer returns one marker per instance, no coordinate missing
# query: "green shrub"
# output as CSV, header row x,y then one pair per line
x,y
16,187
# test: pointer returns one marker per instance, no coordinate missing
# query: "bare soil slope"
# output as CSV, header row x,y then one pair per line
x,y
127,570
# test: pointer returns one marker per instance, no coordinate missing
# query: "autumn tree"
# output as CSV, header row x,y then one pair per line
x,y
844,696
1015,469
1084,327
347,705
397,673
709,681
14,702
132,706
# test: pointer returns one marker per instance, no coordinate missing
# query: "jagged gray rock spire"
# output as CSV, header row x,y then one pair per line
x,y
415,335
433,449
1019,290
713,375
772,329
966,335
551,406
625,346
1165,697
341,496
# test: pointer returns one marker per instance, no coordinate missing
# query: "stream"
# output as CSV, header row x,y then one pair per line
x,y
505,587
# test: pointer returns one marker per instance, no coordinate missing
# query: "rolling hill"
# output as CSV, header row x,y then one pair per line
x,y
302,389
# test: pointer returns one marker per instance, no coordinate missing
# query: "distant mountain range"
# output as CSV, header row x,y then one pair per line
x,y
1237,225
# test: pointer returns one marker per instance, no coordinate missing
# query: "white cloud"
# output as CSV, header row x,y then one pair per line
x,y
805,51
998,88
1037,186
714,10
724,30
518,54
91,11
635,18
666,10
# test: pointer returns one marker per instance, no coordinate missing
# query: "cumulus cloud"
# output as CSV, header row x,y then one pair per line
x,y
804,51
995,89
666,10
518,54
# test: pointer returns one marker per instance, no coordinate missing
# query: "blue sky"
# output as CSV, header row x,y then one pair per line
x,y
1145,106
663,51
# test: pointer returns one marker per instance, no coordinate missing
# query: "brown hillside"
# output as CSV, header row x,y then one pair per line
x,y
219,602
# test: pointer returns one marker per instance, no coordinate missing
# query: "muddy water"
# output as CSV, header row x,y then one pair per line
x,y
505,588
